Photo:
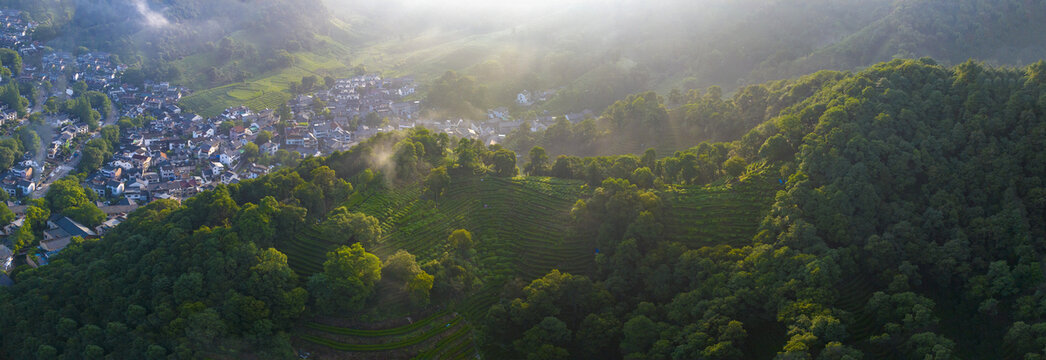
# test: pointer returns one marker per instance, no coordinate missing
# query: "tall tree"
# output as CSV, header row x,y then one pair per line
x,y
347,280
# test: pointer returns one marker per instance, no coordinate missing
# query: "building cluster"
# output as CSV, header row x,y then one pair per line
x,y
152,99
15,32
180,154
362,95
173,157
19,180
97,69
497,126
53,66
500,121
100,73
348,101
351,100
59,233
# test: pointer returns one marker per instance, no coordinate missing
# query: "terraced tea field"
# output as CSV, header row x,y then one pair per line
x,y
719,214
443,335
521,228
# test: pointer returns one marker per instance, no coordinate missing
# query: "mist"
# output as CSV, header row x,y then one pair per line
x,y
150,17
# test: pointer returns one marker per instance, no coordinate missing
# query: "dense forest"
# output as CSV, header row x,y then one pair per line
x,y
878,214
676,121
911,215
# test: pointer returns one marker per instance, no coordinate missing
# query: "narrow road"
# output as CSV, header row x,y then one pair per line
x,y
58,173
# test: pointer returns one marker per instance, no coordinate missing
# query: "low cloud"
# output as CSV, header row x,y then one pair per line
x,y
150,17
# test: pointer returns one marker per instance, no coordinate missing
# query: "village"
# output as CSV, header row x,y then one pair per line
x,y
177,154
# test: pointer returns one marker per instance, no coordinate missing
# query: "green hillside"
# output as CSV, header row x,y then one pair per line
x,y
265,91
522,230
876,214
519,226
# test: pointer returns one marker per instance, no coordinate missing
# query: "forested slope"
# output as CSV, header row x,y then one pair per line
x,y
880,214
912,214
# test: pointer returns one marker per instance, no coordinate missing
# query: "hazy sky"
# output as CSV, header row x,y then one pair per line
x,y
508,4
483,8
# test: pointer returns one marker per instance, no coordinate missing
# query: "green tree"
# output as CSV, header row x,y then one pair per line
x,y
23,238
79,88
436,182
7,156
12,61
81,109
308,82
346,227
101,103
402,270
88,214
37,215
251,152
111,134
599,334
347,280
95,153
11,97
257,220
550,331
776,148
734,166
6,215
30,140
505,163
538,163
284,112
639,334
263,137
92,159
460,241
133,76
643,178
51,105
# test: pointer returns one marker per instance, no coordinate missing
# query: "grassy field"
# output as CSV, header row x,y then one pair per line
x,y
521,227
264,91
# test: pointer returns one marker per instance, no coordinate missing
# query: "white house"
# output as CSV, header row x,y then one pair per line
x,y
115,187
229,157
